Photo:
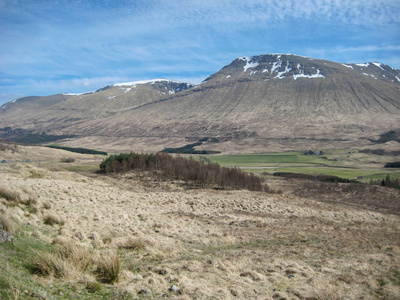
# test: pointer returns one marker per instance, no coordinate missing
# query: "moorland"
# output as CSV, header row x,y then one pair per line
x,y
81,234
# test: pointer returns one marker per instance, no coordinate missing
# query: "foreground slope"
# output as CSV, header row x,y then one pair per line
x,y
210,244
252,101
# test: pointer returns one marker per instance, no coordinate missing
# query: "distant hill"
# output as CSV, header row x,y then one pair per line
x,y
254,103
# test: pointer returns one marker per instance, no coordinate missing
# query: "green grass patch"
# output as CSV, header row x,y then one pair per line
x,y
18,282
339,172
266,159
340,163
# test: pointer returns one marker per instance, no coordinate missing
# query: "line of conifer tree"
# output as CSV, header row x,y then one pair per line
x,y
204,172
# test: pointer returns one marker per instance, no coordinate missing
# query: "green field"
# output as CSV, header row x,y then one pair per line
x,y
341,163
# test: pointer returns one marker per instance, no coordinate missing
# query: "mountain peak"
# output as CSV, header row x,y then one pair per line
x,y
292,67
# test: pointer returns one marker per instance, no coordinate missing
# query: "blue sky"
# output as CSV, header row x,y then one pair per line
x,y
50,46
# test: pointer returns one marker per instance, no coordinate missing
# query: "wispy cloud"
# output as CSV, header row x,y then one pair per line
x,y
46,43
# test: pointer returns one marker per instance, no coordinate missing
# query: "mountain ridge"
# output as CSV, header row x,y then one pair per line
x,y
274,96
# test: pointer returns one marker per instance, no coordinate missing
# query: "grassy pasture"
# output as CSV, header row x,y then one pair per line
x,y
341,163
268,159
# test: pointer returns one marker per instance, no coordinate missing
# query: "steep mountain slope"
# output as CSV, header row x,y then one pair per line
x,y
279,96
260,98
57,112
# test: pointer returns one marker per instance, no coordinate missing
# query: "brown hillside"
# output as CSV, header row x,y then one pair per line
x,y
262,98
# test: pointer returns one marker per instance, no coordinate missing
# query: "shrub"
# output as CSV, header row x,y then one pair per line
x,y
108,268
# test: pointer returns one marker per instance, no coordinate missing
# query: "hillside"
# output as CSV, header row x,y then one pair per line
x,y
276,100
313,241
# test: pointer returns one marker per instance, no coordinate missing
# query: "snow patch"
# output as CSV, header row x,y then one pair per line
x,y
287,69
135,83
348,66
276,65
363,65
229,76
171,92
379,65
398,79
302,75
76,94
127,89
111,97
250,65
372,75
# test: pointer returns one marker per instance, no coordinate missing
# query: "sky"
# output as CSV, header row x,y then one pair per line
x,y
74,46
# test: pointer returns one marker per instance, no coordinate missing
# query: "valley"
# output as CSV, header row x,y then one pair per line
x,y
317,134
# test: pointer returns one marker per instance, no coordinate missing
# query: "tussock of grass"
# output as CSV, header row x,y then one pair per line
x,y
53,219
7,224
71,260
68,259
81,256
12,198
136,244
52,264
326,294
108,268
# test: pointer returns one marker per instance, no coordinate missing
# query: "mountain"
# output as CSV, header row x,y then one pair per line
x,y
255,103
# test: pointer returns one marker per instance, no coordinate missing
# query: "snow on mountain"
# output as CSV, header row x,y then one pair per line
x,y
135,83
302,75
348,66
379,65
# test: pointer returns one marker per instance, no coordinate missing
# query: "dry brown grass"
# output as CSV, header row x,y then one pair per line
x,y
7,224
53,264
316,244
51,218
11,198
136,244
82,256
67,260
109,268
